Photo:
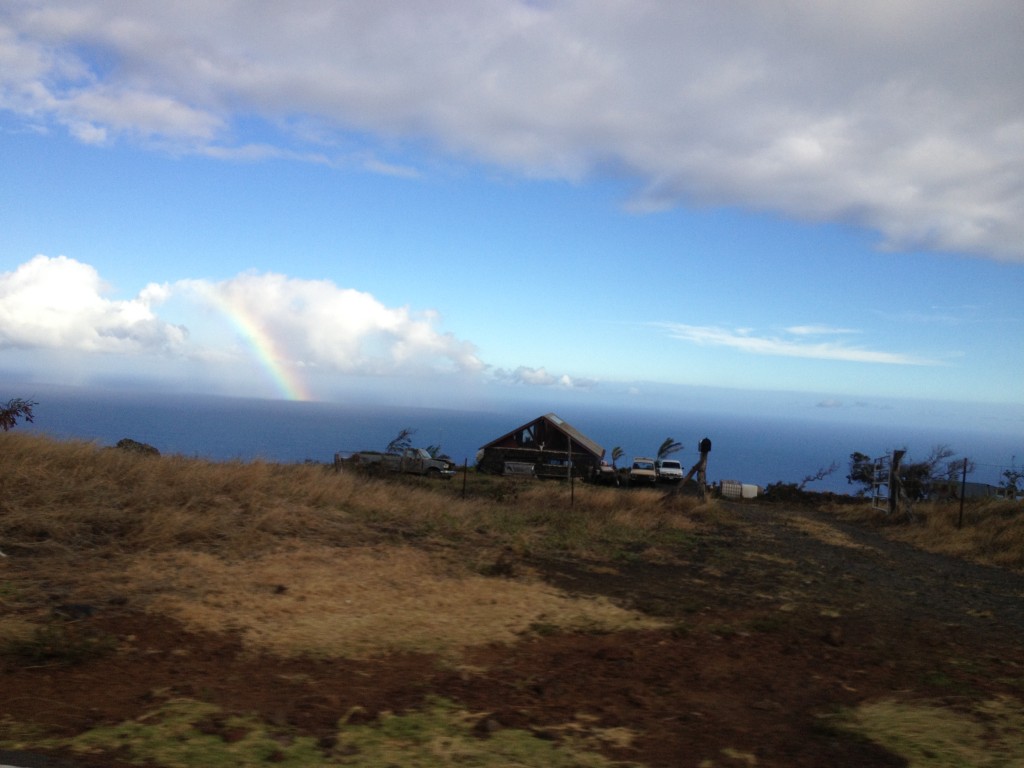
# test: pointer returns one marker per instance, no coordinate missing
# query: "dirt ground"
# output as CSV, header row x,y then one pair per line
x,y
775,622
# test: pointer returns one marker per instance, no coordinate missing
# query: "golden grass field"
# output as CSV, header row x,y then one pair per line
x,y
303,564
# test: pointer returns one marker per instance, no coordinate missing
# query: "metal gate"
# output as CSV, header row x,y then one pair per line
x,y
881,477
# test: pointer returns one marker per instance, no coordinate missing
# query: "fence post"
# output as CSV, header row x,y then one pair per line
x,y
895,486
572,479
963,491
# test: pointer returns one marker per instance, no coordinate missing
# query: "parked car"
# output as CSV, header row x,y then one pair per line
x,y
668,471
606,474
416,461
643,472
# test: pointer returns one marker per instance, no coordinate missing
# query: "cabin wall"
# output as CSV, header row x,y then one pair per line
x,y
546,463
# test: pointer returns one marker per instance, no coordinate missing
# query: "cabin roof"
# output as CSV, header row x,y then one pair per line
x,y
555,421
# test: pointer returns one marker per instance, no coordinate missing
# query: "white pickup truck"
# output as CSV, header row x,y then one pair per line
x,y
668,471
415,461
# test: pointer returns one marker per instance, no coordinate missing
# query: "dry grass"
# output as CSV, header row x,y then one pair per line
x,y
76,496
824,533
357,602
302,560
991,531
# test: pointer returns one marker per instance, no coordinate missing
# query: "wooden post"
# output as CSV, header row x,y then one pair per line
x,y
702,476
572,484
465,474
963,492
894,482
700,468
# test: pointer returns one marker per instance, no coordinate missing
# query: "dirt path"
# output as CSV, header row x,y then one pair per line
x,y
777,619
787,616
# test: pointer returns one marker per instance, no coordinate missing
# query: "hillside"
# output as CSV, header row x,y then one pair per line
x,y
166,611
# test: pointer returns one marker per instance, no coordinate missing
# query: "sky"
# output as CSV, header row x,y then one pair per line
x,y
455,203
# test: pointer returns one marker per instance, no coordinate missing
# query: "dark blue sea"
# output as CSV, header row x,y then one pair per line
x,y
751,449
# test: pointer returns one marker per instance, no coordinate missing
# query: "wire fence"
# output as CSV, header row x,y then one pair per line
x,y
962,478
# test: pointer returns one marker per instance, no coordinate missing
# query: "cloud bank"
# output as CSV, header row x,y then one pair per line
x,y
61,304
541,377
287,325
315,323
903,116
299,331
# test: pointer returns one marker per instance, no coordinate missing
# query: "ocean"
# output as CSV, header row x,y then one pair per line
x,y
751,449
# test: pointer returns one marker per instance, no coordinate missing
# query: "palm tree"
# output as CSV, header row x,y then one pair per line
x,y
402,441
668,447
617,453
16,409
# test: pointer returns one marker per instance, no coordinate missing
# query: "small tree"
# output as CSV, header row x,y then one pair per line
x,y
668,447
436,452
16,409
862,472
955,469
821,474
917,478
402,441
1011,479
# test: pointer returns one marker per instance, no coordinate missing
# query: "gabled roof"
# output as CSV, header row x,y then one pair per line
x,y
577,437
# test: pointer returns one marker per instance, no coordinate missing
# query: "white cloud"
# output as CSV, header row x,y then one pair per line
x,y
95,112
818,330
60,303
317,324
904,116
745,340
541,377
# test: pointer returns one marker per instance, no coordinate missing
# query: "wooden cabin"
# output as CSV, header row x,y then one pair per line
x,y
544,447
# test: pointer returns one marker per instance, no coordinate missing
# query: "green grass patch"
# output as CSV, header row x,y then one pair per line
x,y
184,733
987,735
180,734
444,735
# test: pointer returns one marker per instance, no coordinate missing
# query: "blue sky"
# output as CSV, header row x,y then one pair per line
x,y
459,204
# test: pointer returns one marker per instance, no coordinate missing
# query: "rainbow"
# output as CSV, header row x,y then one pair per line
x,y
265,350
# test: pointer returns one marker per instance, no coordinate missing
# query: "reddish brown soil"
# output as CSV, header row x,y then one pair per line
x,y
772,630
